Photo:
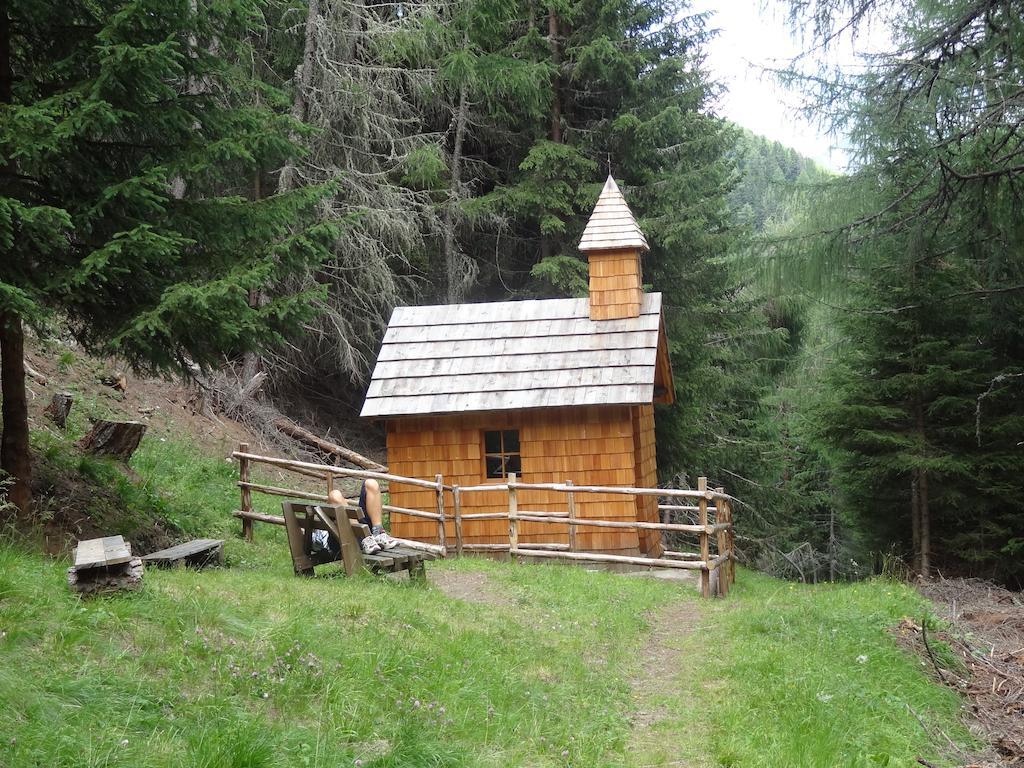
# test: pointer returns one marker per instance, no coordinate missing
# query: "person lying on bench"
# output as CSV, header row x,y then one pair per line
x,y
372,515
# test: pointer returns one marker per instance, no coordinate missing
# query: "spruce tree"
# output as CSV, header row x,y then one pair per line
x,y
925,408
129,140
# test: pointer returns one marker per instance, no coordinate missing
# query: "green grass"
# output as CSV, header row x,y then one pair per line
x,y
257,668
176,488
800,675
249,666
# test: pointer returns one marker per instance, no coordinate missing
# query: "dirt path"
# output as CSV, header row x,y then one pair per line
x,y
468,586
657,680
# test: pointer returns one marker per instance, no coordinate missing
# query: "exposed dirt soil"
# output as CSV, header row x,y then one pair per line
x,y
166,406
468,586
78,509
988,624
75,507
661,663
986,635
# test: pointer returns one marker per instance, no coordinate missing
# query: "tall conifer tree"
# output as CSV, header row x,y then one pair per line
x,y
925,407
128,142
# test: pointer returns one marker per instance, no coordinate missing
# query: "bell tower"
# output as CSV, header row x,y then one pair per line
x,y
612,242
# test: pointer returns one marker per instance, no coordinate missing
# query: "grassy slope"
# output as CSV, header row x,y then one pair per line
x,y
810,676
253,667
249,666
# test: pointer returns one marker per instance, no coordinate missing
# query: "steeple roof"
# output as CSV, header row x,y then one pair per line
x,y
611,225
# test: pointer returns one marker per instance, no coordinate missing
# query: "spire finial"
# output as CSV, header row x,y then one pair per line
x,y
611,225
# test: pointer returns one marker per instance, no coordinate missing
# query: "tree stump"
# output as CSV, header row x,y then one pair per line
x,y
59,408
113,438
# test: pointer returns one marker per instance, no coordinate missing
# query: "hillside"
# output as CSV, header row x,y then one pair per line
x,y
491,664
544,666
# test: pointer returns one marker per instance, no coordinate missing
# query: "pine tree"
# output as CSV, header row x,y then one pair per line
x,y
363,80
602,86
129,140
925,407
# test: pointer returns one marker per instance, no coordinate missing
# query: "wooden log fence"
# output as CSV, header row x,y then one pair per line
x,y
718,530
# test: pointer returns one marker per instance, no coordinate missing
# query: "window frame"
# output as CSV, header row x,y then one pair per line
x,y
503,454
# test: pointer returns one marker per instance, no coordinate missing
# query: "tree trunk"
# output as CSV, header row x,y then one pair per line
x,y
15,456
915,522
452,262
251,361
924,525
556,85
293,430
555,133
926,534
303,78
6,74
832,544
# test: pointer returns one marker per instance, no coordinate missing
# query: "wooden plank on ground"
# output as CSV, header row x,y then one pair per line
x,y
96,553
199,552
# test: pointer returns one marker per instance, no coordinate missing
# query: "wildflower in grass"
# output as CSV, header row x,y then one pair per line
x,y
824,698
862,659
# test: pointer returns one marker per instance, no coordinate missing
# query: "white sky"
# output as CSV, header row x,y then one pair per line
x,y
752,35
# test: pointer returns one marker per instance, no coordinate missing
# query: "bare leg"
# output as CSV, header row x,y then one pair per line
x,y
374,507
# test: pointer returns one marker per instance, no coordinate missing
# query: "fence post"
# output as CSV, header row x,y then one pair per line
x,y
243,476
329,477
571,498
513,520
705,549
440,511
731,542
721,510
457,500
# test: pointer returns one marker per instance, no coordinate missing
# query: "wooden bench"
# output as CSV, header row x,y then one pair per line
x,y
300,520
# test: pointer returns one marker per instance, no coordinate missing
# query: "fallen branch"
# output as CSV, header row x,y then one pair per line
x,y
224,393
928,647
293,430
253,386
35,375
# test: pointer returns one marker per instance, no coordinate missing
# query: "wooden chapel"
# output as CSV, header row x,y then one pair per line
x,y
553,390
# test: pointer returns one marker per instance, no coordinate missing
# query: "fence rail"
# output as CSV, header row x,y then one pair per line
x,y
718,531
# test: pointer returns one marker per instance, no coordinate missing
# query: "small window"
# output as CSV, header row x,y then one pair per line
x,y
501,453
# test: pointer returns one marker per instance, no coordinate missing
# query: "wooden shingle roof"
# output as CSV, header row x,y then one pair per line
x,y
611,225
516,354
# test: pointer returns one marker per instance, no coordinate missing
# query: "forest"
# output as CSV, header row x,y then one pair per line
x,y
236,187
